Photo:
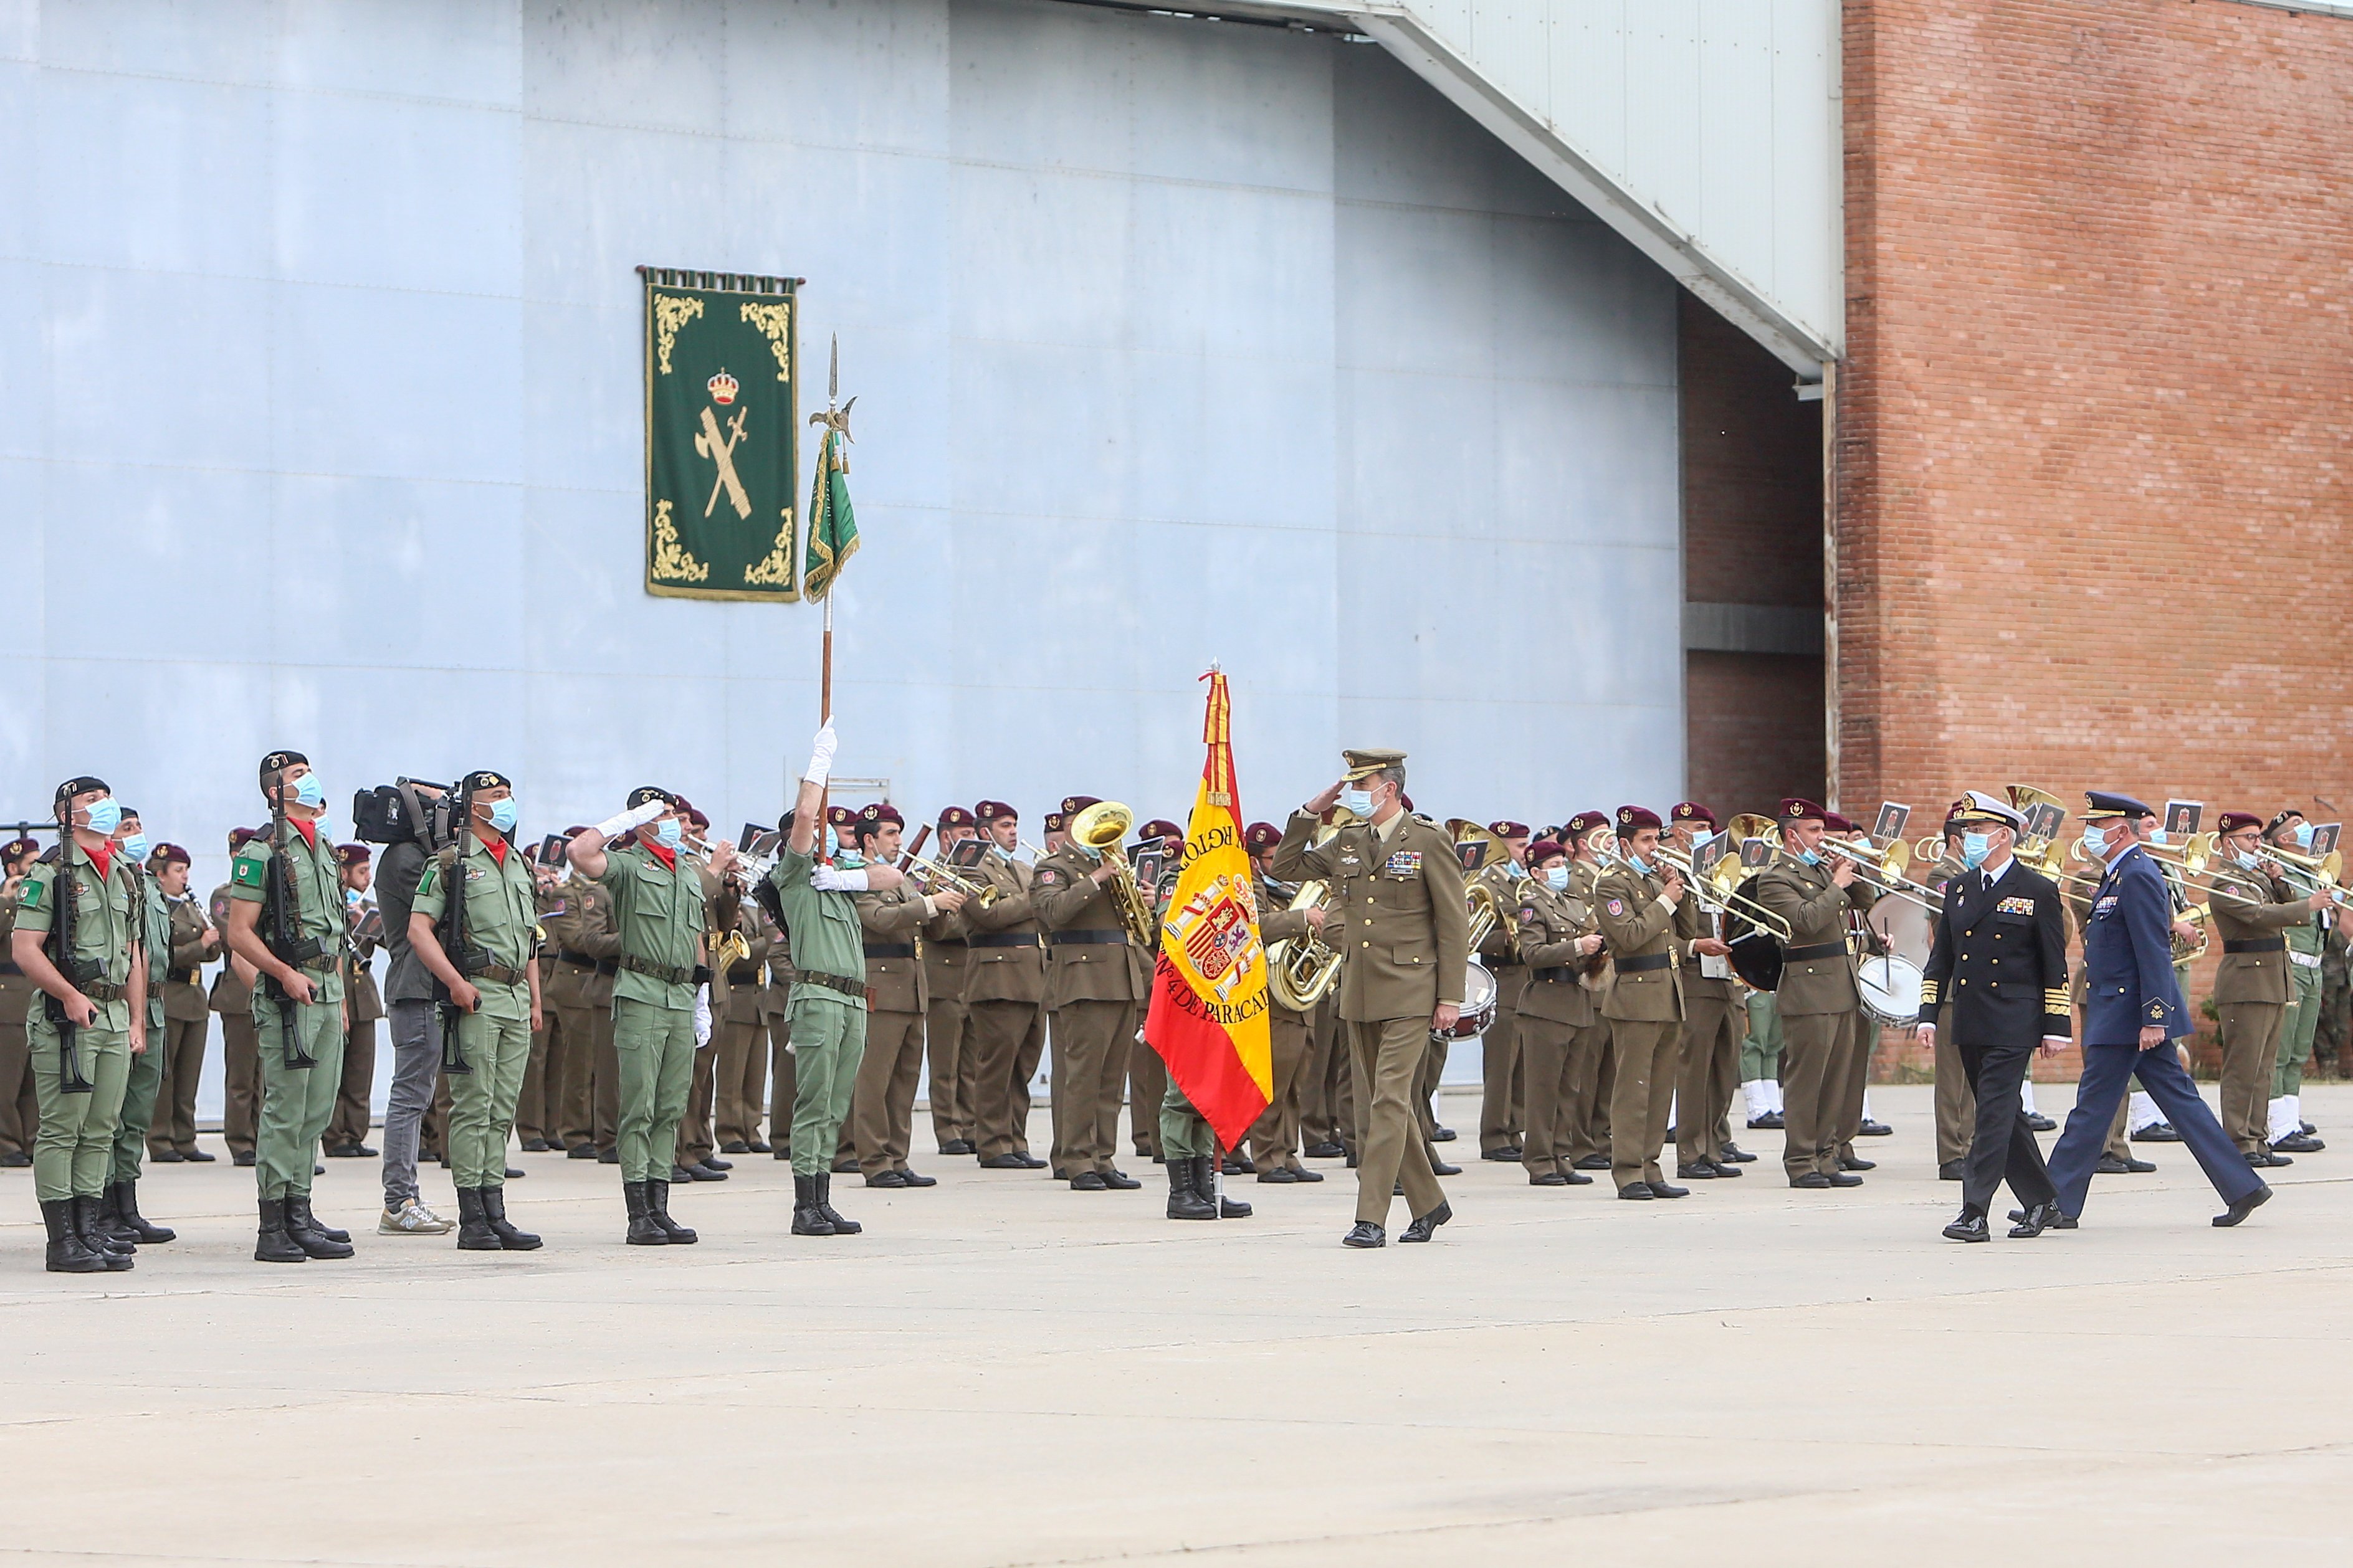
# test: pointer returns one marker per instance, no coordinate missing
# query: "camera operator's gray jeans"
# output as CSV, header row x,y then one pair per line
x,y
416,1065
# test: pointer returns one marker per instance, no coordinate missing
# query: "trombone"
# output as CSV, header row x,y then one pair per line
x,y
1721,888
936,872
1883,870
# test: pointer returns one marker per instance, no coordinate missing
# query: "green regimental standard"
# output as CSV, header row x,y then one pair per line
x,y
723,374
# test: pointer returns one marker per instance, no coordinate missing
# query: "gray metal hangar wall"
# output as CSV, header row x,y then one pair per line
x,y
320,408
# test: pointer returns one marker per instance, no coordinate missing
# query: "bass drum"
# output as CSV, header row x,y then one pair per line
x,y
1480,994
1755,951
1904,929
1891,988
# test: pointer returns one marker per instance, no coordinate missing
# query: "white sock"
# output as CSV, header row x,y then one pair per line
x,y
1775,1085
2295,1110
1866,1107
1752,1093
2143,1112
2284,1119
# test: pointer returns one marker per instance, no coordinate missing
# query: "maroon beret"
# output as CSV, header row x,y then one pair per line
x,y
1261,835
1692,811
698,819
1406,801
880,813
1634,818
1585,822
1054,823
1833,823
1544,849
1798,808
1074,803
575,831
1160,827
991,810
165,855
15,846
1508,829
957,816
238,838
2229,822
353,854
839,816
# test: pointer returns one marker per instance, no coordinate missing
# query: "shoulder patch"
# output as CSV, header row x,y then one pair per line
x,y
1048,876
248,870
1617,906
554,909
432,874
30,898
1527,911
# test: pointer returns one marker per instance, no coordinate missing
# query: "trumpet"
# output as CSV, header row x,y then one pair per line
x,y
1102,827
1720,887
1302,971
937,873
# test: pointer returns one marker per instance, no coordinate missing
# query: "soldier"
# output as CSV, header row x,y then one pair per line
x,y
1098,981
657,903
1057,824
1146,1074
776,1008
1407,935
1819,1005
587,943
1640,902
1005,992
1708,1058
2286,1128
172,1138
291,875
1503,1097
347,1131
1760,1061
118,1212
1559,942
20,1106
1855,1119
946,1033
2253,905
741,1022
696,1157
1274,1137
1584,1120
539,1115
232,998
895,922
83,1035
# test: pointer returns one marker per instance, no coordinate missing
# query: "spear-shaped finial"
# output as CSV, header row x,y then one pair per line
x,y
835,419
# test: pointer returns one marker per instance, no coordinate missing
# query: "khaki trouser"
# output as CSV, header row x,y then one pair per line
x,y
1005,1038
1817,1060
1592,1083
1147,1093
1425,1089
538,1103
576,1091
241,1069
743,1082
1387,1056
882,1103
1707,1074
182,1046
20,1103
1857,1079
350,1122
1090,1039
1549,1053
1502,1083
1319,1121
1274,1136
783,1083
496,1041
2251,1039
1647,1053
1956,1107
946,1041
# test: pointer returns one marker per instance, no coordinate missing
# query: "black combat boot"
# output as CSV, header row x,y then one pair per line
x,y
116,1254
1205,1181
824,1207
658,1207
643,1231
273,1244
808,1218
474,1233
307,1234
494,1209
68,1254
126,1212
110,1223
1184,1201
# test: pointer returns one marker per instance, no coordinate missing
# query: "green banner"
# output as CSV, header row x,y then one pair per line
x,y
721,453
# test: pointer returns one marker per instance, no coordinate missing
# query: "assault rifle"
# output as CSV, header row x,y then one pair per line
x,y
79,972
280,904
450,930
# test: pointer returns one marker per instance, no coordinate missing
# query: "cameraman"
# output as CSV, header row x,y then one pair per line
x,y
409,1007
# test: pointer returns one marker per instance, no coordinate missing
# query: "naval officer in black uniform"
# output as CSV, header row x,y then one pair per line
x,y
2000,962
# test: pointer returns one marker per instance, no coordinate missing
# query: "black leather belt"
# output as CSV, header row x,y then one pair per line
x,y
662,971
1553,974
742,974
582,959
2268,944
1085,938
840,983
1812,949
1005,939
1642,962
891,949
9,968
499,972
187,976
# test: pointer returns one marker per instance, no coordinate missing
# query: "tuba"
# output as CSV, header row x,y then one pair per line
x,y
1300,972
1102,827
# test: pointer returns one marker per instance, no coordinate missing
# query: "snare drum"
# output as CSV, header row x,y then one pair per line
x,y
1480,994
1891,989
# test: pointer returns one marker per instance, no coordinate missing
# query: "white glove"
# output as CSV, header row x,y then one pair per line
x,y
701,1016
820,766
834,879
637,817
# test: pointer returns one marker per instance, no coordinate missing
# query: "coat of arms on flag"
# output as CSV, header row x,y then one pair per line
x,y
1217,929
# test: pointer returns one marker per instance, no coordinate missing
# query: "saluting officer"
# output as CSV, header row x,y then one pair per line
x,y
1998,966
897,922
1097,981
1640,900
1005,992
1819,1007
1558,942
494,985
2253,905
1405,930
2133,1007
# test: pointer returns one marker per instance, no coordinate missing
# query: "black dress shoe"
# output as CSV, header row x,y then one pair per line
x,y
756,1146
2307,1129
1278,1173
1004,1163
2110,1166
908,1178
516,1173
1439,1136
197,1157
1439,1167
1734,1152
2157,1132
703,1173
1591,1162
2297,1143
2241,1207
1549,1179
1769,1123
1427,1226
2263,1159
1327,1150
1952,1170
2134,1167
2040,1122
1505,1154
2059,1219
713,1163
244,1158
1970,1227
16,1159
581,1152
1087,1182
844,1165
609,1156
886,1179
1236,1165
957,1146
1636,1192
1871,1129
1301,1174
1812,1181
1119,1181
1029,1162
537,1145
343,1151
736,1146
1668,1190
1365,1233
2034,1221
1701,1171
1841,1179
1856,1163
1724,1170
1059,1174
168,1157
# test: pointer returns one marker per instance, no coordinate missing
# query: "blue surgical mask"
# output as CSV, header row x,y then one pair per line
x,y
1089,850
2156,835
351,896
668,834
1639,863
2243,859
832,845
1359,801
105,816
2303,835
1557,878
1811,856
2095,841
309,790
503,814
1975,848
136,846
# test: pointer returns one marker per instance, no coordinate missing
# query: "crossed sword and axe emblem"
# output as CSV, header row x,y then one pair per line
x,y
720,446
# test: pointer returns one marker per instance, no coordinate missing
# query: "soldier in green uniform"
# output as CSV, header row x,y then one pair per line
x,y
828,1002
2288,831
171,1137
347,1128
657,897
20,1108
494,985
1290,1046
93,1020
118,1205
285,919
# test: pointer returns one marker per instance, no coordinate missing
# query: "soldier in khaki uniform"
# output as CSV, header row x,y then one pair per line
x,y
1819,1004
1004,996
20,1106
1274,1136
1502,1100
586,941
539,1115
1593,1055
1639,902
232,998
696,1156
2253,904
1709,1060
776,1008
1146,1074
1560,943
1406,932
946,1032
1098,981
171,1138
347,1131
740,1021
895,922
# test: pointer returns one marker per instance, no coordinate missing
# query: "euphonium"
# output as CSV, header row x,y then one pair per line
x,y
1302,971
1102,827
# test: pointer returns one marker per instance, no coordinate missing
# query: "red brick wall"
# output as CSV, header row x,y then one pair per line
x,y
2097,271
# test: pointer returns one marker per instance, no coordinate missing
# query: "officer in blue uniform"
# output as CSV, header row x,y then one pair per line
x,y
1999,963
2132,1008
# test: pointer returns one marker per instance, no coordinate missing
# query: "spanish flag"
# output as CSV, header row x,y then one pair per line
x,y
1209,1019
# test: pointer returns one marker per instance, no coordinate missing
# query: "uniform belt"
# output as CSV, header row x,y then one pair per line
x,y
187,976
663,972
1646,961
1083,938
1812,949
102,990
2266,944
742,974
8,968
840,983
889,950
1553,974
1005,939
499,972
582,959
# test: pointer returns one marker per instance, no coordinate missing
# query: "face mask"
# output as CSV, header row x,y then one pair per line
x,y
1810,856
351,896
503,814
1089,850
1974,846
670,836
1638,863
2095,841
1557,878
2303,835
1359,801
2156,835
2243,859
105,816
309,790
136,846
